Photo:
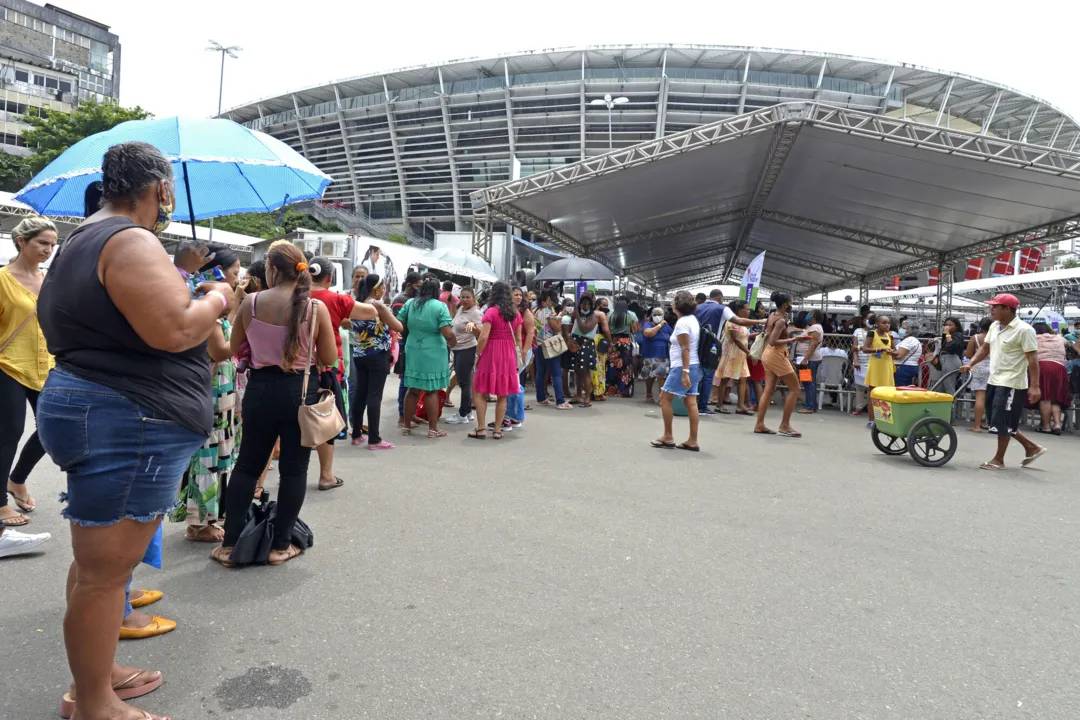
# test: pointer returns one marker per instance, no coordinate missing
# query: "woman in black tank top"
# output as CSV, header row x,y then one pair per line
x,y
127,404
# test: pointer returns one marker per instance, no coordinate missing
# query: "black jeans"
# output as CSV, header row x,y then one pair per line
x,y
369,377
270,411
13,399
463,367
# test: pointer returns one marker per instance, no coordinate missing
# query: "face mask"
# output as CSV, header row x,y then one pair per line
x,y
657,319
902,332
868,324
164,218
587,312
532,304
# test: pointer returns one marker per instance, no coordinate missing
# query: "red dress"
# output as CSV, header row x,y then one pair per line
x,y
496,371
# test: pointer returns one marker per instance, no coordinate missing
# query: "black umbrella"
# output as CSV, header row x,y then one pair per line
x,y
575,268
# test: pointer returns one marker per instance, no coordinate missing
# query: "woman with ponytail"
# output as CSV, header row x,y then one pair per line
x,y
277,324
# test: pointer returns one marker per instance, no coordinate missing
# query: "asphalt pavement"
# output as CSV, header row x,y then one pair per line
x,y
572,571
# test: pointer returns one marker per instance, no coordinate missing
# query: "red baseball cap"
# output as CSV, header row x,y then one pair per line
x,y
1007,300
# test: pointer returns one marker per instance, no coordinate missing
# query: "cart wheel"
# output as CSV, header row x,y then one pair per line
x,y
932,442
889,444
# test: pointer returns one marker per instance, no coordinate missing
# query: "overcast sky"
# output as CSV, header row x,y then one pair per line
x,y
167,71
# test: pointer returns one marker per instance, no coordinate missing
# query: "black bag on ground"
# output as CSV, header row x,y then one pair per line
x,y
1074,380
708,355
255,541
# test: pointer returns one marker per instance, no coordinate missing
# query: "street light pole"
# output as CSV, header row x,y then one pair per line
x,y
231,51
610,103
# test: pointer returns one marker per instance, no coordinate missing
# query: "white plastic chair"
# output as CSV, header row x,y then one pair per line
x,y
831,380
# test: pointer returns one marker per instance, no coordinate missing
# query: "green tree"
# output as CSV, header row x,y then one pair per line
x,y
1070,263
398,238
264,225
54,132
14,172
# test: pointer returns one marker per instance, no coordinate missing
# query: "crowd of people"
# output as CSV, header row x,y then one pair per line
x,y
209,366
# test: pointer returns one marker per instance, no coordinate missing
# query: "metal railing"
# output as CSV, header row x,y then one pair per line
x,y
359,222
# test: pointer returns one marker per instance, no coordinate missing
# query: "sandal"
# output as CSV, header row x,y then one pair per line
x,y
222,554
359,440
661,445
405,430
541,402
381,445
564,406
291,552
991,466
691,448
26,505
338,482
496,435
478,434
649,399
16,520
433,434
204,533
448,404
123,689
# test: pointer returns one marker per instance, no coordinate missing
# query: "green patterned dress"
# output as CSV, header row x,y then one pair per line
x,y
208,471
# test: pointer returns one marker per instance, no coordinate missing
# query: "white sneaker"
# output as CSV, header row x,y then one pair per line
x,y
13,542
456,419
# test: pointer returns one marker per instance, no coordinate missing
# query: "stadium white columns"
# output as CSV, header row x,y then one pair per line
x,y
661,103
820,79
990,115
745,80
450,152
300,128
1029,123
888,89
1057,131
348,150
582,106
395,146
944,101
509,116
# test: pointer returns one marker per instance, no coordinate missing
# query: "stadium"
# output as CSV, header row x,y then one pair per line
x,y
408,146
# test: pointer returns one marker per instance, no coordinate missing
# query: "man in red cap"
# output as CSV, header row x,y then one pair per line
x,y
1014,368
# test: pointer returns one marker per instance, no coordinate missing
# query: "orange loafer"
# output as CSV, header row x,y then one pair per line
x,y
148,597
158,626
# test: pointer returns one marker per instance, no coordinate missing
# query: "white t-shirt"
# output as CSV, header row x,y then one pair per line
x,y
686,325
802,347
914,348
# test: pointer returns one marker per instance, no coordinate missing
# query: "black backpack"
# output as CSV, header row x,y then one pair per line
x,y
707,353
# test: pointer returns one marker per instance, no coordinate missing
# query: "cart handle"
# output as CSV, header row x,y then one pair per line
x,y
959,388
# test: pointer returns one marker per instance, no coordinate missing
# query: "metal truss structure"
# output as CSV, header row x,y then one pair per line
x,y
675,254
413,143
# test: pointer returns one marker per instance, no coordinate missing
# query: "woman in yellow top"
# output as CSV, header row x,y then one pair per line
x,y
25,361
879,345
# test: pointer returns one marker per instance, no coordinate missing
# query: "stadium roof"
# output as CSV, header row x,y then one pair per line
x,y
838,198
996,108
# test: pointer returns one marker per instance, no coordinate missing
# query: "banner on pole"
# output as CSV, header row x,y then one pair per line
x,y
751,280
974,269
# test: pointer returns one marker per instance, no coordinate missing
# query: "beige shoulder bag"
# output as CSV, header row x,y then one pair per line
x,y
321,420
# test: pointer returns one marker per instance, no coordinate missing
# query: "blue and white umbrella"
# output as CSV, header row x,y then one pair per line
x,y
221,168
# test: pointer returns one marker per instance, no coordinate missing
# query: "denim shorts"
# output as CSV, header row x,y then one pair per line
x,y
123,460
673,384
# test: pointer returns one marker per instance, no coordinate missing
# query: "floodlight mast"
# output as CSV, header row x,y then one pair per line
x,y
610,103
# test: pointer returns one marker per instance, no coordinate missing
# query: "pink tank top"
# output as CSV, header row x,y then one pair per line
x,y
268,341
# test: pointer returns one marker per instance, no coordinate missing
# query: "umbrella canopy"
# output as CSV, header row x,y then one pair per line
x,y
221,168
459,262
575,268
